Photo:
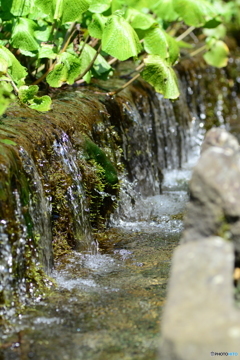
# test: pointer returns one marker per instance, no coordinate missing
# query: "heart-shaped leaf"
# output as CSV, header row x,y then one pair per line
x,y
47,51
119,39
99,6
194,13
64,10
57,76
155,42
218,53
42,103
67,70
158,42
165,10
97,25
15,69
23,35
161,76
27,93
139,20
17,7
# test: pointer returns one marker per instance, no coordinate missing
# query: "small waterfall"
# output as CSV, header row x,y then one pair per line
x,y
28,216
42,196
39,208
75,194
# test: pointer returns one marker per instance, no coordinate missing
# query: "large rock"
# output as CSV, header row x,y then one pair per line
x,y
200,318
214,207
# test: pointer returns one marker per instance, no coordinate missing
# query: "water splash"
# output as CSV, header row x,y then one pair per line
x,y
76,196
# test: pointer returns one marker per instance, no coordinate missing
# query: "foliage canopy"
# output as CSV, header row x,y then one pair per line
x,y
56,42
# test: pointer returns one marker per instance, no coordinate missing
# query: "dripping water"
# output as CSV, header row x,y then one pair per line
x,y
75,193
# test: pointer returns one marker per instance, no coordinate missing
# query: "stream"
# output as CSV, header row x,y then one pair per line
x,y
107,304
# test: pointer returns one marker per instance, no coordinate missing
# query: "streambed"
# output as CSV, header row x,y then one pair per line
x,y
107,304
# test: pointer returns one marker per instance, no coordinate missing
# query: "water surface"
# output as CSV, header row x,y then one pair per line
x,y
107,305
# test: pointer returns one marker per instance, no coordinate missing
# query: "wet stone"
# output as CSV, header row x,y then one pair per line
x,y
214,207
199,316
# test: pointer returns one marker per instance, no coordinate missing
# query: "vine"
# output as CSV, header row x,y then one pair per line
x,y
48,43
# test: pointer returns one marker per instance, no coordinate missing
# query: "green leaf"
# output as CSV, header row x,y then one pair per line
x,y
17,7
97,25
194,13
165,10
173,49
3,66
73,9
67,70
43,33
47,51
26,93
218,53
158,42
117,5
15,69
161,76
139,4
6,96
100,66
138,20
99,6
213,23
218,33
119,39
64,10
42,103
45,7
23,35
57,76
155,42
8,142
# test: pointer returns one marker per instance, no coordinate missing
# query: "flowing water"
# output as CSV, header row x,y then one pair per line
x,y
107,305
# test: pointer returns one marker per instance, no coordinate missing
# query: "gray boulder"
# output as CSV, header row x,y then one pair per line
x,y
214,206
200,317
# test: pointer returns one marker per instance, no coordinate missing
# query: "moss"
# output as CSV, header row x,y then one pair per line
x,y
179,216
37,282
224,230
62,221
93,152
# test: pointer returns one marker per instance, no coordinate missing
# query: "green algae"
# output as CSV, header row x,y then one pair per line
x,y
93,152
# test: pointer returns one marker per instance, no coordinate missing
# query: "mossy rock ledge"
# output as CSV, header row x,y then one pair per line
x,y
60,170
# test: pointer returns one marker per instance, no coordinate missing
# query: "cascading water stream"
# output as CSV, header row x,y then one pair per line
x,y
106,304
75,194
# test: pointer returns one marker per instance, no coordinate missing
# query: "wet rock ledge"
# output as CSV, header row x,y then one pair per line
x,y
60,171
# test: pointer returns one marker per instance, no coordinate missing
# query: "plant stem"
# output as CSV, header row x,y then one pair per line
x,y
81,50
112,61
64,46
197,51
90,64
123,86
54,27
138,68
15,89
185,33
67,37
44,75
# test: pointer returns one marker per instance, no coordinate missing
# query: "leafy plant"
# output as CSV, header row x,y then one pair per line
x,y
56,42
